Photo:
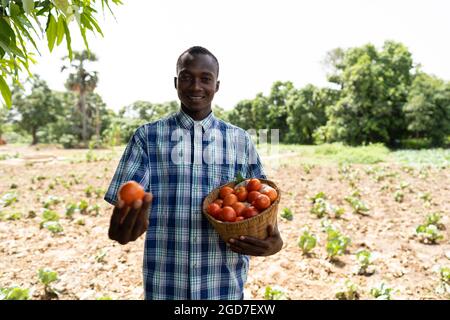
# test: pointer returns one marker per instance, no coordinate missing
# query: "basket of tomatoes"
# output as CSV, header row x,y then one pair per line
x,y
243,209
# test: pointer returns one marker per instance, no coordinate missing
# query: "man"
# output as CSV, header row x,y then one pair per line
x,y
179,160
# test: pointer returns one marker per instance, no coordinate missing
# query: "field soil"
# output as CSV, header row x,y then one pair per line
x,y
91,266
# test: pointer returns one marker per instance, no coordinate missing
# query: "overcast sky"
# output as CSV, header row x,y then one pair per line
x,y
256,41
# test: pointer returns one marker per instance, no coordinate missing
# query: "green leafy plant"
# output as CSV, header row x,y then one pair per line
x,y
336,243
47,277
274,293
399,196
14,293
349,291
364,259
428,234
381,292
444,283
70,210
307,241
53,226
357,205
51,201
287,214
83,206
319,208
49,215
8,199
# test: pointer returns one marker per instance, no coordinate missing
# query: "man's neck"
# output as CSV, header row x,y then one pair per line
x,y
196,116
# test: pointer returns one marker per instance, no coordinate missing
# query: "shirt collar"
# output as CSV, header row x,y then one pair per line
x,y
185,121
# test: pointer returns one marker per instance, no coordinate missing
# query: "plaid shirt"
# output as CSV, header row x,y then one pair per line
x,y
180,161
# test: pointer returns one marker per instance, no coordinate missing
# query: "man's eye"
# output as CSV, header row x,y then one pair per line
x,y
206,79
185,78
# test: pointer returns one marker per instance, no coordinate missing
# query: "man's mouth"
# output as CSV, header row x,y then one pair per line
x,y
196,98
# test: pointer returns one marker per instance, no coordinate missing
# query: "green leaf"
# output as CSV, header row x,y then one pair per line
x,y
95,24
51,31
62,5
60,30
6,93
15,9
68,40
6,32
28,6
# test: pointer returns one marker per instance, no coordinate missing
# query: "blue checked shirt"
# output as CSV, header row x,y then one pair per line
x,y
180,161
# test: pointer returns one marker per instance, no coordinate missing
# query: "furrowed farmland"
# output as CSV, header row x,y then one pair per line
x,y
357,223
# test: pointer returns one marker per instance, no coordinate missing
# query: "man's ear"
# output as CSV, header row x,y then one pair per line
x,y
175,82
217,85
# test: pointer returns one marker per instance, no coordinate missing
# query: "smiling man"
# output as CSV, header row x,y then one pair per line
x,y
184,257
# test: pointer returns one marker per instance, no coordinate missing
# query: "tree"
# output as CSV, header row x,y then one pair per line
x,y
36,109
428,108
83,82
23,21
375,86
306,112
277,113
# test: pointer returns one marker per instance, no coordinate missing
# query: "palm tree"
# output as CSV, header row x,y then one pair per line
x,y
82,82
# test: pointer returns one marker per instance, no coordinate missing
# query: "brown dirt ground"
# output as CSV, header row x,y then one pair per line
x,y
90,266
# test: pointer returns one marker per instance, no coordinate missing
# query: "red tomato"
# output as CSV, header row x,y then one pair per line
x,y
253,195
213,209
131,191
262,202
228,214
253,185
224,191
270,192
219,202
238,207
241,193
249,212
230,199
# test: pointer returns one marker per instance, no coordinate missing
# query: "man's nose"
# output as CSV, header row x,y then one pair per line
x,y
196,84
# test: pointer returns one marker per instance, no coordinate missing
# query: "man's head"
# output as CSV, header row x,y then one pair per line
x,y
196,81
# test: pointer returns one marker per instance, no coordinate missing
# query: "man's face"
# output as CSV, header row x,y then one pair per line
x,y
196,82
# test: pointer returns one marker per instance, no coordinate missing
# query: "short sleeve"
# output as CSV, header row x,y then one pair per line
x,y
133,165
253,167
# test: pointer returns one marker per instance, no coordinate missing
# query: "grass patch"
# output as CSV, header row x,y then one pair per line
x,y
428,157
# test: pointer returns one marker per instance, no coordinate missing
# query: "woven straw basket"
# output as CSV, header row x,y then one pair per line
x,y
254,227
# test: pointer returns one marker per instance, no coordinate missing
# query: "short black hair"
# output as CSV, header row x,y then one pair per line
x,y
196,50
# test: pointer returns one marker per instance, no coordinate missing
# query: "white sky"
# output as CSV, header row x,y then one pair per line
x,y
256,41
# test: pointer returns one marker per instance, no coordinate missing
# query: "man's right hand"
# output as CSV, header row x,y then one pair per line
x,y
129,223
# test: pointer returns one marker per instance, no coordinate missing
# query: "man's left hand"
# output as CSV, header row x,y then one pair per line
x,y
256,247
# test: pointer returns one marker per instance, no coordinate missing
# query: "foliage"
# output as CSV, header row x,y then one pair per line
x,y
287,214
14,293
23,22
375,86
349,291
307,241
428,108
381,292
37,109
274,293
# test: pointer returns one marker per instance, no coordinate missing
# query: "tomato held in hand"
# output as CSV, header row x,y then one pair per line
x,y
228,214
131,191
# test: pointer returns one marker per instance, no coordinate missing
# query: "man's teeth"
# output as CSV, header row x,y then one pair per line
x,y
195,98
